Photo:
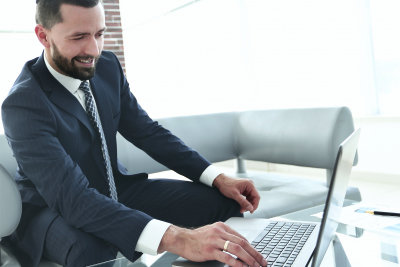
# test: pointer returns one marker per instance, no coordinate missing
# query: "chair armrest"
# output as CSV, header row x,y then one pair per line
x,y
10,203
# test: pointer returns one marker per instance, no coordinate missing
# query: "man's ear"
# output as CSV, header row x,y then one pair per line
x,y
41,34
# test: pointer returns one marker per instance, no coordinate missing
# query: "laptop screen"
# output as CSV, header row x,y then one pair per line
x,y
336,195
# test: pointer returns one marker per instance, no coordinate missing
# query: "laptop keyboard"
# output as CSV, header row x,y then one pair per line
x,y
280,242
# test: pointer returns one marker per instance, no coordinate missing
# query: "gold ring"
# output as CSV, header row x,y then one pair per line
x,y
226,245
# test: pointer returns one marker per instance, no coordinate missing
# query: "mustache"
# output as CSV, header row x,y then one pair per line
x,y
87,57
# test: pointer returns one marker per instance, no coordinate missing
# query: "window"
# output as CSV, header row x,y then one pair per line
x,y
17,41
210,56
199,56
385,26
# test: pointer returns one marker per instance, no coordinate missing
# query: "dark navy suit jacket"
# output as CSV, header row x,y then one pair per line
x,y
60,165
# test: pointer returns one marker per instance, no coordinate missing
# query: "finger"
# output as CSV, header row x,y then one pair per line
x,y
245,205
227,259
243,251
258,257
241,248
251,194
254,199
231,232
233,236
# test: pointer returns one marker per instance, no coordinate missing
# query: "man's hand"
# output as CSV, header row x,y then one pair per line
x,y
208,242
241,190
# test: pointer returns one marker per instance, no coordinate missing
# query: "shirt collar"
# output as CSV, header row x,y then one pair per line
x,y
71,84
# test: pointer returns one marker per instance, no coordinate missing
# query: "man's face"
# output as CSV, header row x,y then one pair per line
x,y
76,42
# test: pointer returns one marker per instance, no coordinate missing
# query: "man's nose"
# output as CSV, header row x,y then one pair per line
x,y
93,47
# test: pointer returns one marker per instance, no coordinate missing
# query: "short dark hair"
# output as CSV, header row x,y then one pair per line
x,y
48,11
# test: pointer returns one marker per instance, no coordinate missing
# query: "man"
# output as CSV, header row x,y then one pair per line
x,y
79,206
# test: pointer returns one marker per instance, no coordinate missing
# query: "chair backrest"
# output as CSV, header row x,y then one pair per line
x,y
212,135
303,137
308,137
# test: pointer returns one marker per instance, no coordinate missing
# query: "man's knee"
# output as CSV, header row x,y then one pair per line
x,y
227,208
90,251
71,247
216,207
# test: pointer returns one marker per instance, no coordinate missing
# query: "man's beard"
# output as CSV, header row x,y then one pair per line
x,y
69,68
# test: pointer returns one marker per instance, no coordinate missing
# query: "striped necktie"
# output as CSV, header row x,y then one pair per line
x,y
95,120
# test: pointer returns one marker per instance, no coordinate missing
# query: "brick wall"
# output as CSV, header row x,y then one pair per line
x,y
113,40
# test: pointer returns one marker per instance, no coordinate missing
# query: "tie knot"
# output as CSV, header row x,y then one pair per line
x,y
84,86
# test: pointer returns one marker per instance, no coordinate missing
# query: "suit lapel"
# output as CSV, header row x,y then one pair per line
x,y
59,95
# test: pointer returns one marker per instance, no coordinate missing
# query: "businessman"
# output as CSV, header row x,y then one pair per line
x,y
79,205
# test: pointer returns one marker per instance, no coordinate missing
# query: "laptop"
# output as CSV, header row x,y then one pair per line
x,y
297,243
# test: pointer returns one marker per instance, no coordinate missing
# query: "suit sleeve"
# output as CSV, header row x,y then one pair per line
x,y
159,143
31,128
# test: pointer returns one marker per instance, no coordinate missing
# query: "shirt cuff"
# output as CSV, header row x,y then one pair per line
x,y
209,175
150,238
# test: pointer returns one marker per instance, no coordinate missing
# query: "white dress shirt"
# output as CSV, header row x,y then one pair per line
x,y
152,234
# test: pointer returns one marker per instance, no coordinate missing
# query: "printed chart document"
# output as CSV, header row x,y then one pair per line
x,y
356,215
